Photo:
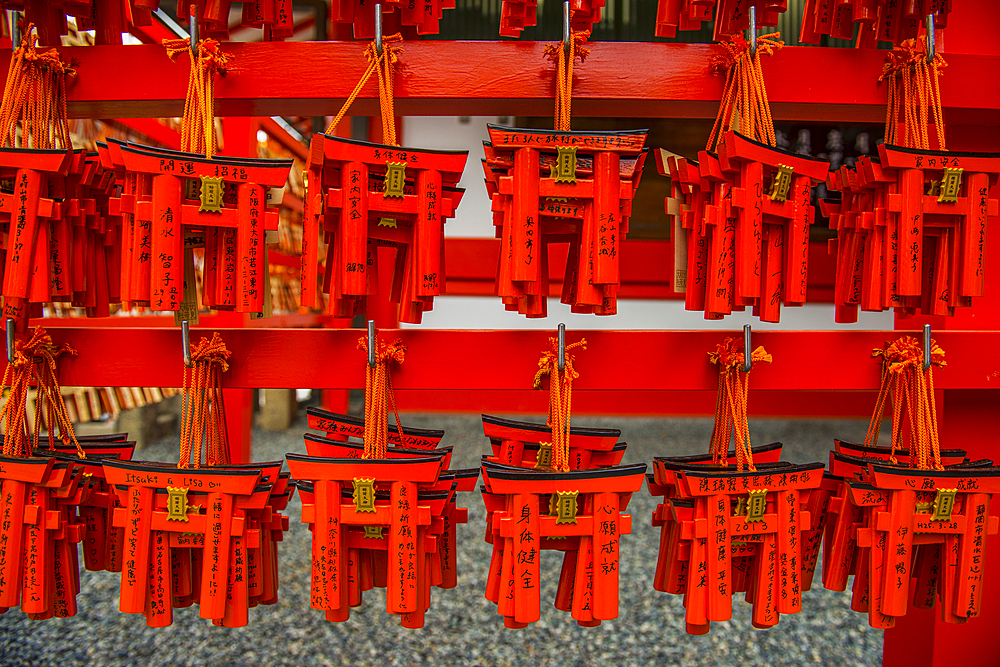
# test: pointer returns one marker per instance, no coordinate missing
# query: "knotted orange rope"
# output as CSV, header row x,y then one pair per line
x,y
198,127
560,397
385,65
564,75
744,97
35,96
379,397
17,376
913,87
912,394
204,413
731,402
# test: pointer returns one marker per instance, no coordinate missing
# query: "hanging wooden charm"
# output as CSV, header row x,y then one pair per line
x,y
195,535
911,223
731,16
40,493
913,534
381,515
742,214
877,20
732,522
553,487
562,187
365,196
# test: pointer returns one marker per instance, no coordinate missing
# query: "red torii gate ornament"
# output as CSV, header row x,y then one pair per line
x,y
725,529
190,191
353,492
917,535
367,196
912,222
731,16
550,186
566,494
199,535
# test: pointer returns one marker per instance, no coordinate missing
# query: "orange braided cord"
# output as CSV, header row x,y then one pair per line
x,y
35,96
198,127
204,416
744,106
379,397
875,425
564,76
560,397
913,89
913,394
731,402
385,66
17,377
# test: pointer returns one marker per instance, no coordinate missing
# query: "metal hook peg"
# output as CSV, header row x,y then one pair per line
x,y
371,343
194,29
186,342
378,36
10,339
927,346
929,22
567,37
752,30
562,347
15,30
747,352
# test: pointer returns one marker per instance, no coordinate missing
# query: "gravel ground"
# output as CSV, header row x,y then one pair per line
x,y
462,626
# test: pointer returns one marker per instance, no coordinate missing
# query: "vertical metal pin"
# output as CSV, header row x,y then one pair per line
x,y
562,346
10,339
194,29
15,30
930,38
371,343
567,37
747,352
378,34
927,346
752,30
186,342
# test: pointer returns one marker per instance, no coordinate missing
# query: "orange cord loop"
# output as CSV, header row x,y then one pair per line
x,y
385,66
914,90
913,396
731,403
744,105
40,350
198,133
204,414
560,397
379,397
35,96
564,75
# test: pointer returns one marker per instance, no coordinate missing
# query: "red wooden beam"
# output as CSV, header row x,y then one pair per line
x,y
507,360
507,78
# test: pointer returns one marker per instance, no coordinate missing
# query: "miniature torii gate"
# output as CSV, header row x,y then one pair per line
x,y
598,218
406,519
240,204
27,243
150,532
584,504
368,194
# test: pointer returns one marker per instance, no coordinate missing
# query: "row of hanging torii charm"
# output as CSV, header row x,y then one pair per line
x,y
880,20
208,536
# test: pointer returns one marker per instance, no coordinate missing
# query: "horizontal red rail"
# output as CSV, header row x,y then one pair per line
x,y
507,360
507,78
